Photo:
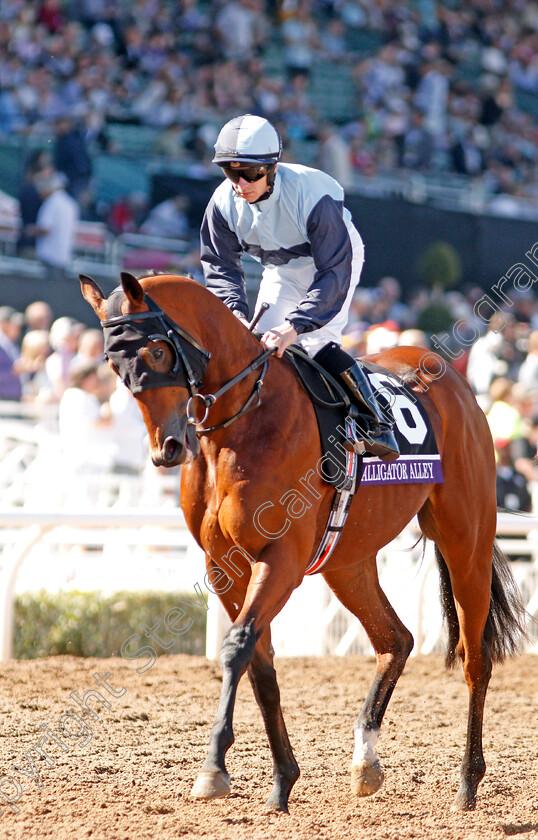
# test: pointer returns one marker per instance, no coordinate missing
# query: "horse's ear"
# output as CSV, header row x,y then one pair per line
x,y
132,288
93,294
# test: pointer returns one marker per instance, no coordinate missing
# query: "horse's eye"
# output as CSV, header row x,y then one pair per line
x,y
158,356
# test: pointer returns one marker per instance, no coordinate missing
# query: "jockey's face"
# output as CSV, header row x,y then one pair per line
x,y
251,191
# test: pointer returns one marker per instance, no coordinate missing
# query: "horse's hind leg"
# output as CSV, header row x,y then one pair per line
x,y
464,546
262,677
471,599
360,592
466,592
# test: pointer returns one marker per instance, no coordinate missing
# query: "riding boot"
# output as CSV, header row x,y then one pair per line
x,y
379,439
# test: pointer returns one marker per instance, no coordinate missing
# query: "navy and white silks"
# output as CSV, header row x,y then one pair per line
x,y
303,236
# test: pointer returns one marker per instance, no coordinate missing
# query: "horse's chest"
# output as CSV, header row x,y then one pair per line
x,y
218,503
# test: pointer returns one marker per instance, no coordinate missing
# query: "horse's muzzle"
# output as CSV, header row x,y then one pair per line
x,y
175,450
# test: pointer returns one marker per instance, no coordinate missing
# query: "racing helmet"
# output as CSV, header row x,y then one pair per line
x,y
249,140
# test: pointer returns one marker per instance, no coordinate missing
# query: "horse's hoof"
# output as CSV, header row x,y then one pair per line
x,y
366,778
211,784
464,801
277,804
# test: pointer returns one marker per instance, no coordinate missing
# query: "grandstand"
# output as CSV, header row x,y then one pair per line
x,y
150,93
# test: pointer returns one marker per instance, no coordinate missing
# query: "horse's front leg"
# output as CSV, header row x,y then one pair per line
x,y
270,586
235,656
262,677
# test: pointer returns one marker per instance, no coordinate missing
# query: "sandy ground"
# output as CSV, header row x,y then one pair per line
x,y
131,775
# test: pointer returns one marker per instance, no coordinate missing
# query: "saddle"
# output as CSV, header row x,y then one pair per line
x,y
419,459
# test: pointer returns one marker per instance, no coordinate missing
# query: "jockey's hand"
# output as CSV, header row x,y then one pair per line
x,y
279,338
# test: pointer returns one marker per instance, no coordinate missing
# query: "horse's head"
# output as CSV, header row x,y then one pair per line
x,y
161,364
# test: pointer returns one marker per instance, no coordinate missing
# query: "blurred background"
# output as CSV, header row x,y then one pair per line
x,y
427,114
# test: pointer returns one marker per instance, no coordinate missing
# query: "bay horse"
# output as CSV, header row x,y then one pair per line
x,y
244,434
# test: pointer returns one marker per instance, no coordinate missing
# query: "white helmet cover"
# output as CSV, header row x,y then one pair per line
x,y
248,139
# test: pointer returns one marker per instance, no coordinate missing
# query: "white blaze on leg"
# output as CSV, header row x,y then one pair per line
x,y
365,741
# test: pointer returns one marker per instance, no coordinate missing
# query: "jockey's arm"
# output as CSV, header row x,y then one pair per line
x,y
220,254
332,253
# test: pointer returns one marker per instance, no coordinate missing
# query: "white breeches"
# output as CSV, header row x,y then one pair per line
x,y
283,290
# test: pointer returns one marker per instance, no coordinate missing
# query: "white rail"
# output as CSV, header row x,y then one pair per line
x,y
312,623
21,529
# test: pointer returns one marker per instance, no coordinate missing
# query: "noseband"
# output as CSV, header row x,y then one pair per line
x,y
126,335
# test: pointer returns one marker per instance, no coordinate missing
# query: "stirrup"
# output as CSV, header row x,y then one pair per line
x,y
379,438
353,443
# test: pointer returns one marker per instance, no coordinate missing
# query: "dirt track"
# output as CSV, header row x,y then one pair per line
x,y
132,779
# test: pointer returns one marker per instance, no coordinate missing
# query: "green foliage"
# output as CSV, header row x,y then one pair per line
x,y
434,319
90,624
440,266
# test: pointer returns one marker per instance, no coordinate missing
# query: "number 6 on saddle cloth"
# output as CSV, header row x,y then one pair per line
x,y
419,458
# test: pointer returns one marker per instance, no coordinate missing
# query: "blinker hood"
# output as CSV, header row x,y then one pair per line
x,y
126,335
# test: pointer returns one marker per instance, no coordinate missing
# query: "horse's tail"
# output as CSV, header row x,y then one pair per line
x,y
505,628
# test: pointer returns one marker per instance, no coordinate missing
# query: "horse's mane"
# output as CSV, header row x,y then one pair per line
x,y
188,296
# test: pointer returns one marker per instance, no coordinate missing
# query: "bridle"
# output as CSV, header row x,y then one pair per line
x,y
126,335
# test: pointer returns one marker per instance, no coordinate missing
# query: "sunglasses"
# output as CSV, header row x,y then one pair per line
x,y
249,173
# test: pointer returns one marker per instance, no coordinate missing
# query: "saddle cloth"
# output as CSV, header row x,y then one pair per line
x,y
419,460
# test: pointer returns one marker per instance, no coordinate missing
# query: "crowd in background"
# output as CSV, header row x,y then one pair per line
x,y
499,360
437,86
61,361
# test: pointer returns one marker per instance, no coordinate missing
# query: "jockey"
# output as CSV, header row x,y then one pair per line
x,y
292,219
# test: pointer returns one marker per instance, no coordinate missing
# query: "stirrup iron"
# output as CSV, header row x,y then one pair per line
x,y
379,439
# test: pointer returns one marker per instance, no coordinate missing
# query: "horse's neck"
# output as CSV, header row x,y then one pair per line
x,y
200,312
231,345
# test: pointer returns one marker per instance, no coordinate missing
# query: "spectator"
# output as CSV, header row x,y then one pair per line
x,y
55,227
11,119
511,485
11,323
130,434
431,97
90,349
414,338
169,218
51,15
389,306
169,143
300,41
38,166
35,349
503,417
64,335
82,417
528,372
485,356
125,213
71,156
38,316
418,144
524,451
467,157
242,28
108,62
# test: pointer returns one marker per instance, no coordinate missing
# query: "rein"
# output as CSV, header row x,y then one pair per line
x,y
174,335
209,400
